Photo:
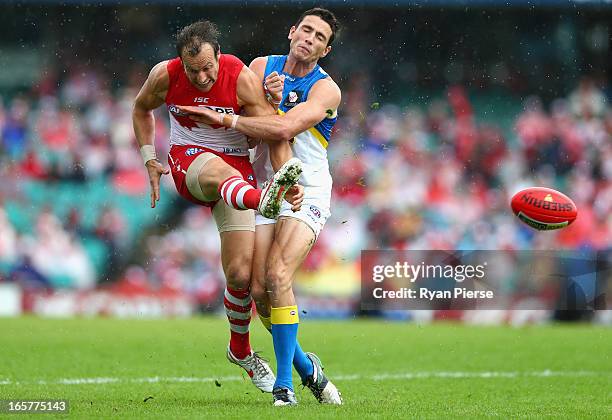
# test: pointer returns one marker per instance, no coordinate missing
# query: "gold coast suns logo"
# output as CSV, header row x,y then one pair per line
x,y
293,98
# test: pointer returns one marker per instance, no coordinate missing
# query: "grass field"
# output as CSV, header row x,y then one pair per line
x,y
110,367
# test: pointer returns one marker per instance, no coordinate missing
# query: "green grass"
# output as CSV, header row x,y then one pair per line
x,y
33,350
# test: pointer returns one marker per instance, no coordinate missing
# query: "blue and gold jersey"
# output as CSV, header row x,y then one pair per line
x,y
309,146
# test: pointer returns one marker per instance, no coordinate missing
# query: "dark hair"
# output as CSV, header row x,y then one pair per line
x,y
327,16
191,37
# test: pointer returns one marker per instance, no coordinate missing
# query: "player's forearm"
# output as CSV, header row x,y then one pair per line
x,y
144,131
144,126
280,152
270,128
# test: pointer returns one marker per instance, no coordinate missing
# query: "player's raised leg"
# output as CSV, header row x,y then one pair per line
x,y
217,179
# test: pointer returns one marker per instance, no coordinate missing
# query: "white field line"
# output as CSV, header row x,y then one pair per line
x,y
350,377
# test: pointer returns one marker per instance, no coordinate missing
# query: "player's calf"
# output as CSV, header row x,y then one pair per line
x,y
238,305
260,297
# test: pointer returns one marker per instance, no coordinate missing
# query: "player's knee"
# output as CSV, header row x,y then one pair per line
x,y
261,300
278,280
216,171
257,292
238,275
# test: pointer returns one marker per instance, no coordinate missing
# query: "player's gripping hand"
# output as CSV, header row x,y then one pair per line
x,y
273,85
201,114
295,197
155,170
253,143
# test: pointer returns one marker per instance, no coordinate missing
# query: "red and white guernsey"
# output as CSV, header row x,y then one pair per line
x,y
221,98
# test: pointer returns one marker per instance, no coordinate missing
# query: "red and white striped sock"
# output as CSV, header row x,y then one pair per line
x,y
239,194
238,309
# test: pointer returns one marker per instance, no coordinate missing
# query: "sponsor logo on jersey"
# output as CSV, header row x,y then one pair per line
x,y
220,109
228,150
193,151
250,177
174,110
200,100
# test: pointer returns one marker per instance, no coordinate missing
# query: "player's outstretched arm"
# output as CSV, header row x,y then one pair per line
x,y
151,95
323,100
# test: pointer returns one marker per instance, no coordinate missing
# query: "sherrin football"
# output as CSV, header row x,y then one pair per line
x,y
544,208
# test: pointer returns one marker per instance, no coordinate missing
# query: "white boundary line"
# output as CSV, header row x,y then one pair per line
x,y
354,377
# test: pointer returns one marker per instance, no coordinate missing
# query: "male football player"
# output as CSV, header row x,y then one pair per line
x,y
210,164
307,100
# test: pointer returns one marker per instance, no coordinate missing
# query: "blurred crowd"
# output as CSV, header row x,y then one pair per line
x,y
74,130
63,138
423,176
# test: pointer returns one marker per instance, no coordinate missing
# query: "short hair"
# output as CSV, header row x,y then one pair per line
x,y
327,16
191,38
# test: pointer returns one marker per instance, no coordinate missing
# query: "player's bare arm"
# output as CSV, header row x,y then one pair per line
x,y
150,97
323,101
273,84
258,66
295,195
251,95
251,98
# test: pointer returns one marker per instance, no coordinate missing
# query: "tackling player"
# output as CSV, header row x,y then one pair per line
x,y
209,163
308,111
